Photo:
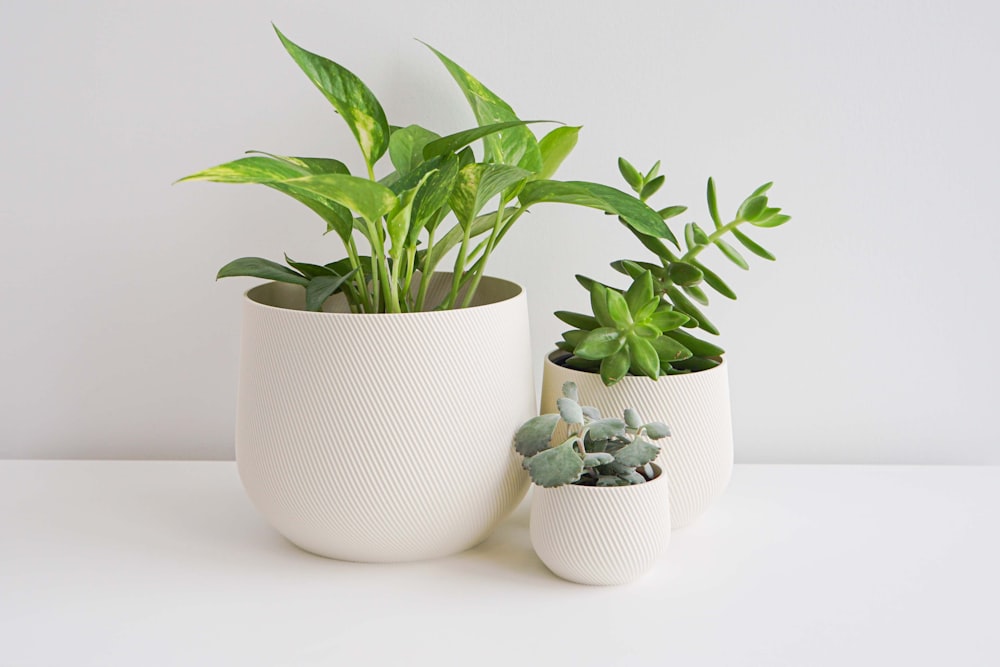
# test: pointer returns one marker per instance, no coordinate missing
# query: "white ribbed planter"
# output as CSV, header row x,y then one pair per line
x,y
381,438
698,457
601,535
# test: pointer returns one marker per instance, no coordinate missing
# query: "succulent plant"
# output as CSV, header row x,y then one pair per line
x,y
596,451
617,340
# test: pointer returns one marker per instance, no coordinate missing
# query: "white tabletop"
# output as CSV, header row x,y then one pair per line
x,y
166,563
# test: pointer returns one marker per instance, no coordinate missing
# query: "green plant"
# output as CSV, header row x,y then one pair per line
x,y
597,452
400,215
628,326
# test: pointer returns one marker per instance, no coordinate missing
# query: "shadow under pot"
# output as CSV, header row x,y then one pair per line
x,y
348,424
601,536
698,457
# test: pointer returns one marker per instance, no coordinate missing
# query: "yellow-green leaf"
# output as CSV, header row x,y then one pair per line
x,y
350,97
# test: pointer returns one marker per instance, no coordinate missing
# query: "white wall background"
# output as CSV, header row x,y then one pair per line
x,y
873,338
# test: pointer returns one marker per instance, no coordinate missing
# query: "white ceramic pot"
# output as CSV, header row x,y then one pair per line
x,y
601,535
698,457
383,438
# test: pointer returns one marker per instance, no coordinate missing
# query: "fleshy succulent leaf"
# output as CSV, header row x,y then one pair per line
x,y
578,320
615,367
713,206
643,355
604,429
570,391
600,343
752,245
597,459
630,173
637,453
557,466
535,434
657,430
569,410
697,346
669,350
640,292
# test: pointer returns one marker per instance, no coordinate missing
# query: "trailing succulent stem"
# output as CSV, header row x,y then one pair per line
x,y
433,178
628,326
596,451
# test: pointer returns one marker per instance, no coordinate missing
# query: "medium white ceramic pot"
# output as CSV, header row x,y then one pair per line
x,y
387,437
601,535
698,457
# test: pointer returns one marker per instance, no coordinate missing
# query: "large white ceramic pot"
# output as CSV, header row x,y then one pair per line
x,y
601,535
386,437
698,457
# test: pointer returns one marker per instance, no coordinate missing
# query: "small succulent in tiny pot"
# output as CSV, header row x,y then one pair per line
x,y
600,514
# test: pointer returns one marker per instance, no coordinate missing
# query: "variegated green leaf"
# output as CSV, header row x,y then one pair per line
x,y
350,97
455,142
274,171
366,198
515,145
312,165
254,169
634,212
477,184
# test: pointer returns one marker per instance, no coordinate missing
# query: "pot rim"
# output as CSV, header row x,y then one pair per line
x,y
634,378
254,297
631,488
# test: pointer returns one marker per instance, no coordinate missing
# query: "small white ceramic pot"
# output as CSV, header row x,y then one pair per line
x,y
698,457
601,535
384,438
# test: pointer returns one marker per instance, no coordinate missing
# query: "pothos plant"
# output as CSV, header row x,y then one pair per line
x,y
401,215
596,451
639,330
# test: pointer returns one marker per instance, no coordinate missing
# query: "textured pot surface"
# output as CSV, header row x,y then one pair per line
x,y
601,535
381,437
698,457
